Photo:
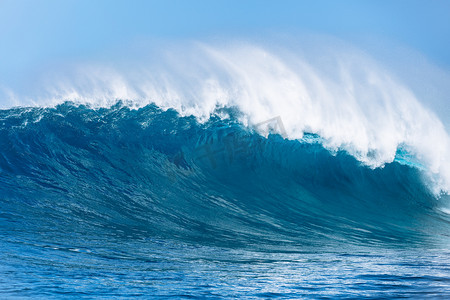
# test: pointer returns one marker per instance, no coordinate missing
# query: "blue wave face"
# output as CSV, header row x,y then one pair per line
x,y
73,171
118,202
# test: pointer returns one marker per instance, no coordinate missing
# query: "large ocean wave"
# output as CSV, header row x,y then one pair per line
x,y
224,171
354,103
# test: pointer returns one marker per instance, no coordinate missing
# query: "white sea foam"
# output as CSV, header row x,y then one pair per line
x,y
350,100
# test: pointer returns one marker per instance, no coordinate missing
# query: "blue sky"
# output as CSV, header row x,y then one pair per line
x,y
35,33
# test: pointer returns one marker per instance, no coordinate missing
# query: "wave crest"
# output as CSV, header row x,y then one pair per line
x,y
351,101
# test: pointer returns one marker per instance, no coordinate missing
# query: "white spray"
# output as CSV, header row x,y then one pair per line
x,y
346,97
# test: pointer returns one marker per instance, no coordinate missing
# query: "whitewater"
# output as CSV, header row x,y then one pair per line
x,y
237,169
346,97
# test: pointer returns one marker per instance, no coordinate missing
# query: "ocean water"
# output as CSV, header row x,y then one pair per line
x,y
237,170
119,201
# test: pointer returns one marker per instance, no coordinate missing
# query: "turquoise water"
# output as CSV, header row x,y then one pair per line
x,y
116,202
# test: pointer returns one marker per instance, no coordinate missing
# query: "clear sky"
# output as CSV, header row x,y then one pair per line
x,y
35,32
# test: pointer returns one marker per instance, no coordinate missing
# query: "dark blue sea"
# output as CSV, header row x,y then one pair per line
x,y
121,202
